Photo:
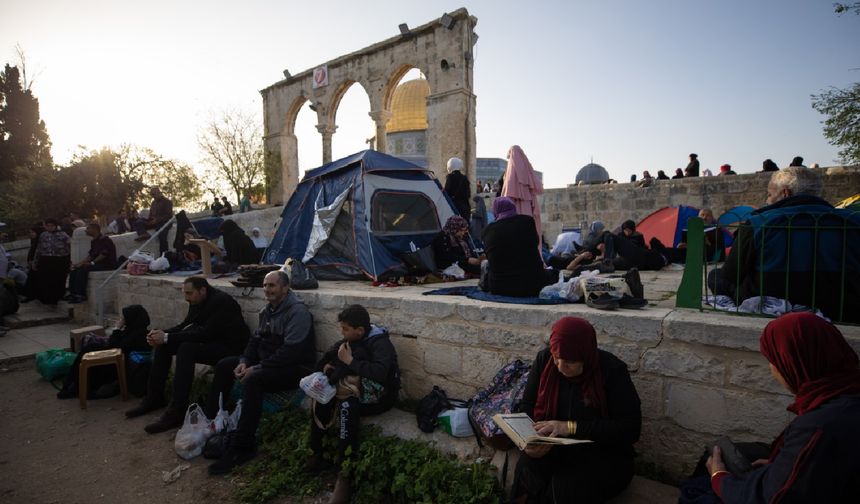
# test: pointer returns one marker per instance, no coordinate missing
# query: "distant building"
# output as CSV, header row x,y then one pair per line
x,y
592,173
406,131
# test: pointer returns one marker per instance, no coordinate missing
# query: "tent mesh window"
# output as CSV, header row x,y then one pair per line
x,y
395,212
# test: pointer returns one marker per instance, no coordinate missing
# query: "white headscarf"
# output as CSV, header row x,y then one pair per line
x,y
455,164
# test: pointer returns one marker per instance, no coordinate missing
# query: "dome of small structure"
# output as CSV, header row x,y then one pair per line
x,y
409,107
592,173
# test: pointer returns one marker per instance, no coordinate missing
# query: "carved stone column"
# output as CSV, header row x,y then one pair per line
x,y
380,118
326,130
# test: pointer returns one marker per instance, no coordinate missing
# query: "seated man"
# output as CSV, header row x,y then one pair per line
x,y
101,257
365,352
160,212
798,248
212,329
281,352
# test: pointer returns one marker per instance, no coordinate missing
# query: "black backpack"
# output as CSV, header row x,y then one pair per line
x,y
429,408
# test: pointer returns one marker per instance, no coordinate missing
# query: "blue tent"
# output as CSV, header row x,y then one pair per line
x,y
354,217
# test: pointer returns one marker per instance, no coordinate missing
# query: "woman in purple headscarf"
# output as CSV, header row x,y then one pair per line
x,y
452,246
511,245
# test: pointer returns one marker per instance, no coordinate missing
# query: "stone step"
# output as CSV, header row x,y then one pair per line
x,y
34,314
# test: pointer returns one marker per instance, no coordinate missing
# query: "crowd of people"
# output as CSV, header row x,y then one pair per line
x,y
692,170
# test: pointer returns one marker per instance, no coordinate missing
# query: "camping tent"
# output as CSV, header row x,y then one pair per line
x,y
851,203
353,217
666,224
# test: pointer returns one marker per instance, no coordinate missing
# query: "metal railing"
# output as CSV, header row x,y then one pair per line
x,y
99,290
809,258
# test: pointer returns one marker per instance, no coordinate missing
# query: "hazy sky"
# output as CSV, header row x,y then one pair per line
x,y
635,84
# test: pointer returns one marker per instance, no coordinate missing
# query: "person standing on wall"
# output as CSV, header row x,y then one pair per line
x,y
692,169
457,187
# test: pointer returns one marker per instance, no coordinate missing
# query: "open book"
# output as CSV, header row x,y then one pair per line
x,y
521,429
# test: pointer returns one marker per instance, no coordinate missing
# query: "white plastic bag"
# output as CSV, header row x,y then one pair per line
x,y
195,430
225,421
552,291
160,264
317,387
455,271
233,419
456,422
140,257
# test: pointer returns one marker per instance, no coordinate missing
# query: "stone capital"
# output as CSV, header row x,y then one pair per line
x,y
326,129
380,117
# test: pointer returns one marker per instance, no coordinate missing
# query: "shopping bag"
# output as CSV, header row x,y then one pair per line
x,y
54,363
193,434
317,387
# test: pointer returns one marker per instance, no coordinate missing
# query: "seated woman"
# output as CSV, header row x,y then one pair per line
x,y
815,458
576,390
129,335
451,246
511,245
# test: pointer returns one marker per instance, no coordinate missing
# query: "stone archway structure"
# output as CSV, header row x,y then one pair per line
x,y
441,49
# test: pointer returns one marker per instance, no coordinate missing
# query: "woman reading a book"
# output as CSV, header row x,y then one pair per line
x,y
576,390
815,458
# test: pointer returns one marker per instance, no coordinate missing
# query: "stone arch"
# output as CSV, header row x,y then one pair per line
x,y
443,52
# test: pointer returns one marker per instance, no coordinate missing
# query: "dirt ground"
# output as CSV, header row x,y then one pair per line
x,y
52,452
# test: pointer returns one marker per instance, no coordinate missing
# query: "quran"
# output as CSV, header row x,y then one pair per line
x,y
521,429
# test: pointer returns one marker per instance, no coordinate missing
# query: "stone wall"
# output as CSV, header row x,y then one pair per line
x,y
699,375
615,203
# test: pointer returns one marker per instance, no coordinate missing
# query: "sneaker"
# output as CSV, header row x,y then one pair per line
x,y
232,458
631,302
145,407
342,491
169,420
637,290
602,302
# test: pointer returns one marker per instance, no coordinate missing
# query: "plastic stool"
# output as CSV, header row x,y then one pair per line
x,y
101,358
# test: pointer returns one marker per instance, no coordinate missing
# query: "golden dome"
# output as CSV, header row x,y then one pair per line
x,y
409,107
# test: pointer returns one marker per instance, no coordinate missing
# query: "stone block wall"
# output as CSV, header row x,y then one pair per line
x,y
615,203
699,374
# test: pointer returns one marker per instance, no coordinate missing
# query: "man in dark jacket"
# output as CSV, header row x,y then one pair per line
x,y
278,355
101,257
376,366
816,262
212,329
160,211
457,188
692,169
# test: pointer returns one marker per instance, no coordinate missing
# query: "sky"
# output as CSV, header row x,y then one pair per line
x,y
632,84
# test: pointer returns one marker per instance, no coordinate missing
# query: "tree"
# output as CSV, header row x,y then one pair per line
x,y
842,126
24,142
143,168
232,145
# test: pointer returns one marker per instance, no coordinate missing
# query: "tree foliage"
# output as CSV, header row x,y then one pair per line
x,y
842,126
143,168
24,142
232,146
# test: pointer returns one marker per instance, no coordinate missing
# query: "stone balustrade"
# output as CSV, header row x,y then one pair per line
x,y
699,374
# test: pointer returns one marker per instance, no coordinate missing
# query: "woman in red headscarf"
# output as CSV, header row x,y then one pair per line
x,y
817,457
576,390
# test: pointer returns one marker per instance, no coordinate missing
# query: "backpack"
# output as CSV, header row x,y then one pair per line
x,y
502,395
429,408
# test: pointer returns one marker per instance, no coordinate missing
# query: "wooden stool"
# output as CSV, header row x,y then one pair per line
x,y
101,358
75,335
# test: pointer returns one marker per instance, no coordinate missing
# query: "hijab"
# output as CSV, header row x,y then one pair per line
x,y
454,225
133,336
572,339
814,360
504,208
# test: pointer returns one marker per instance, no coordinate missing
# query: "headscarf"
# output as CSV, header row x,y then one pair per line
x,y
724,168
504,208
454,225
594,235
573,339
523,186
133,336
628,224
814,360
454,164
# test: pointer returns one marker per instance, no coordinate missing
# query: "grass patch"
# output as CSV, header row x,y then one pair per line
x,y
386,470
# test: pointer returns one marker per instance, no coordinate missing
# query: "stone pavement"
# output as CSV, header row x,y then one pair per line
x,y
34,328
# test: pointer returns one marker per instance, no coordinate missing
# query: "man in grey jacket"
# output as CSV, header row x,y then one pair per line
x,y
280,352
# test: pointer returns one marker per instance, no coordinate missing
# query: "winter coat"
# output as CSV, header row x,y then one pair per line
x,y
285,337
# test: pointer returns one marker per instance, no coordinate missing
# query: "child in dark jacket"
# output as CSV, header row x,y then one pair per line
x,y
129,336
367,353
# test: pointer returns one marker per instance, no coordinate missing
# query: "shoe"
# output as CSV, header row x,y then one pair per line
x,y
342,491
169,420
145,407
106,391
316,464
637,290
232,458
602,302
143,237
607,266
67,393
631,302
